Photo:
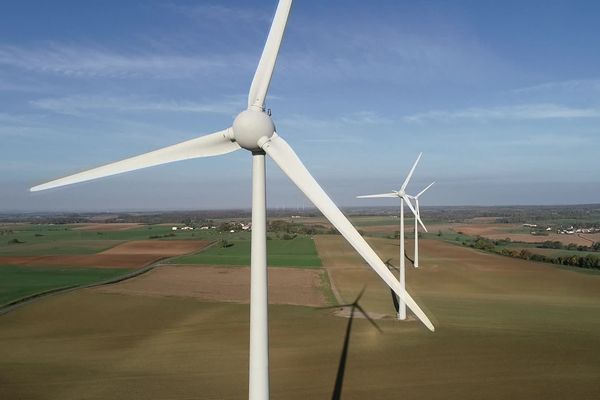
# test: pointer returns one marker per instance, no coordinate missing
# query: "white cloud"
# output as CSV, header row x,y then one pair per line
x,y
76,105
517,112
92,62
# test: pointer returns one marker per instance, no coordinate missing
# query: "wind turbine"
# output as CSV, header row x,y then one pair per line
x,y
403,197
254,130
416,199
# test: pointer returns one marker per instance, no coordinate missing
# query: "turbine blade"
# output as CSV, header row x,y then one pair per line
x,y
204,146
424,190
285,157
411,172
415,213
372,196
264,71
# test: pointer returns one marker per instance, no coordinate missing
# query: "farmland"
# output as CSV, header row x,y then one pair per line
x,y
298,252
506,328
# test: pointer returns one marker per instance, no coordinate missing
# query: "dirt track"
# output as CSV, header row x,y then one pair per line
x,y
286,285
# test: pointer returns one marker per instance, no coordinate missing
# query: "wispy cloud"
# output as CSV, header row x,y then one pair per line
x,y
356,119
85,62
77,105
569,85
517,112
221,13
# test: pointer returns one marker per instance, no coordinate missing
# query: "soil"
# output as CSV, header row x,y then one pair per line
x,y
225,284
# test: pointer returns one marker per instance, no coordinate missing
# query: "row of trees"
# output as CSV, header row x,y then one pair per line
x,y
590,261
549,244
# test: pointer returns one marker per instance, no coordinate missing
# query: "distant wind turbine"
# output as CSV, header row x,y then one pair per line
x,y
403,197
254,130
416,199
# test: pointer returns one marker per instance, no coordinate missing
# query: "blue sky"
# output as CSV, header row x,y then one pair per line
x,y
503,99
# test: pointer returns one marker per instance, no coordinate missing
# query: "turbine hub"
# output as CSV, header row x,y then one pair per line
x,y
250,126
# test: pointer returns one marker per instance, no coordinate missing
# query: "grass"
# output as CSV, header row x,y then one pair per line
x,y
18,282
298,252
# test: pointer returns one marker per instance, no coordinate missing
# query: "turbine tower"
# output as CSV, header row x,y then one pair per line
x,y
403,197
416,199
253,130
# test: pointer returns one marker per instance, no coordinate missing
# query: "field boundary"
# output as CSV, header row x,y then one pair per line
x,y
14,304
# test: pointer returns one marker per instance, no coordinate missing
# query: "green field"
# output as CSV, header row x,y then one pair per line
x,y
298,252
29,240
18,282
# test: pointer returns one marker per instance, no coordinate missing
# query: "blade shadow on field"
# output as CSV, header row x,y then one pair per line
x,y
339,380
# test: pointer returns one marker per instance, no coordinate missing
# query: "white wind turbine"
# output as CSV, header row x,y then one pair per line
x,y
416,199
254,130
403,197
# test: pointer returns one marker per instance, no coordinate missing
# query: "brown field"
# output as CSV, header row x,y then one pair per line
x,y
213,283
500,231
506,329
138,253
89,260
408,228
105,227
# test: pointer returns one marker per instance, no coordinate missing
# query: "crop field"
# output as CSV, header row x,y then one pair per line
x,y
297,252
75,239
505,328
18,282
307,287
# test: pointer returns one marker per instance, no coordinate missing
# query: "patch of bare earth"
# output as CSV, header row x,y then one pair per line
x,y
88,260
137,253
225,284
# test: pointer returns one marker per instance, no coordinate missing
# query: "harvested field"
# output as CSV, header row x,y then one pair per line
x,y
213,283
409,228
105,227
91,260
127,255
486,229
165,248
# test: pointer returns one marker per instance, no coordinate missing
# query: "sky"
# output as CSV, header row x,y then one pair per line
x,y
502,98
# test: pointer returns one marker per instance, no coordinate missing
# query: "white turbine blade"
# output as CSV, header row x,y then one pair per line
x,y
411,172
424,190
415,213
288,161
373,196
209,145
264,71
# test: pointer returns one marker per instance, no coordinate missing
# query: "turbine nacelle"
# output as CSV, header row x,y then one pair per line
x,y
250,126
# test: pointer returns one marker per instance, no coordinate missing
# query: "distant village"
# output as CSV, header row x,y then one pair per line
x,y
232,227
571,230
